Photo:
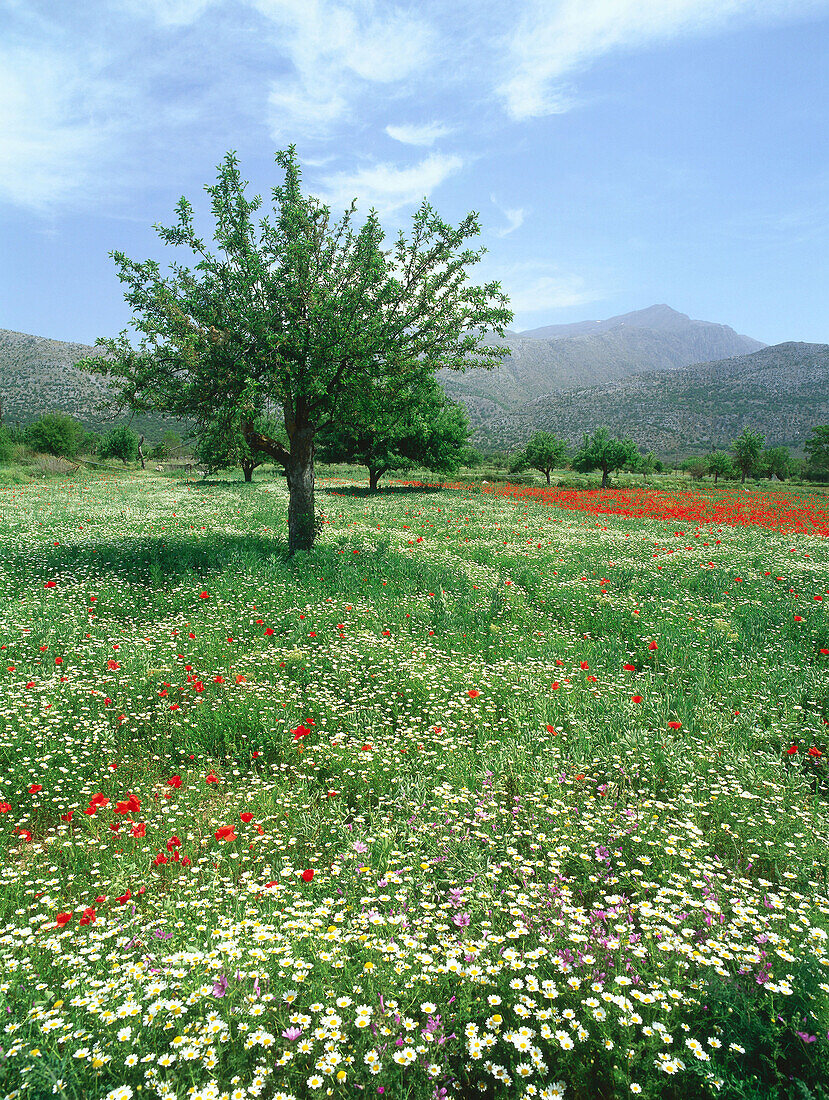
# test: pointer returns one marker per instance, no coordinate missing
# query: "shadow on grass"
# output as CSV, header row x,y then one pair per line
x,y
383,490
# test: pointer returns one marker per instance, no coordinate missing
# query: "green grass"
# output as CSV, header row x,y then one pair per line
x,y
500,837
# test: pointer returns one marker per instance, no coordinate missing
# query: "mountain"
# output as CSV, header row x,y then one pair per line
x,y
563,357
37,376
782,391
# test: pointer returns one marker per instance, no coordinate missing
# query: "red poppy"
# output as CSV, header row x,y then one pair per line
x,y
798,619
139,829
246,817
173,843
4,807
307,875
49,584
241,679
629,668
67,816
585,665
112,665
674,725
268,631
815,752
300,732
473,693
160,858
653,645
226,832
35,787
218,679
636,698
211,778
825,652
791,751
124,898
204,595
89,916
63,918
174,781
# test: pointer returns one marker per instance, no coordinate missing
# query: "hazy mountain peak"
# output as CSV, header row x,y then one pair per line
x,y
657,318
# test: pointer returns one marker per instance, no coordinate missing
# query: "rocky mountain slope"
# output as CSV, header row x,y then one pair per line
x,y
781,390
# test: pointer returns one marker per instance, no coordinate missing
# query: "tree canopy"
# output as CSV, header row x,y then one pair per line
x,y
119,442
601,452
542,451
294,314
720,464
747,448
817,452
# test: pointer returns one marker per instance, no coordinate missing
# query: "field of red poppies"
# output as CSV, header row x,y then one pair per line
x,y
503,793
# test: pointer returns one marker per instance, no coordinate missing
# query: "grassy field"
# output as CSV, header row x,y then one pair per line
x,y
495,793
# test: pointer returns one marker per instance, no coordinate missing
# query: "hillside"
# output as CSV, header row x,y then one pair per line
x,y
782,391
565,357
37,376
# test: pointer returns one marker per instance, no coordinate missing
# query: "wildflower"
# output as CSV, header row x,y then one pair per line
x,y
226,832
307,875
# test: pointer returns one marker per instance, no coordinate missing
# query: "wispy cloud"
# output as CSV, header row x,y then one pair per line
x,y
387,187
168,13
535,285
554,40
514,216
426,134
335,49
52,129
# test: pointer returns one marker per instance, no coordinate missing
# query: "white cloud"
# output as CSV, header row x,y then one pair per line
x,y
534,286
387,187
554,40
515,218
425,134
53,128
168,13
335,48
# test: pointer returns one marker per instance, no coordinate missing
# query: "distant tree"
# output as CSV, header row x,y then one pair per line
x,y
721,464
747,448
601,452
120,442
542,451
399,428
221,447
817,453
55,434
646,464
696,467
776,462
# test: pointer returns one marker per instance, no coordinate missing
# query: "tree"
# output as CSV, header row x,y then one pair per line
x,y
298,315
747,448
817,453
720,464
220,448
390,429
55,433
600,452
119,442
542,451
776,462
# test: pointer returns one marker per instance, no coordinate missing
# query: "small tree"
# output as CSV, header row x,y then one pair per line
x,y
720,464
57,434
601,452
542,451
7,448
776,462
221,448
399,430
817,453
747,448
646,464
120,442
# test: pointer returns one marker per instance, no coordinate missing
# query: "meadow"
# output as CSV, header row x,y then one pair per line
x,y
497,792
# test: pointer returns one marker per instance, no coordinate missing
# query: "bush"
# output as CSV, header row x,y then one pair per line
x,y
55,434
121,442
7,453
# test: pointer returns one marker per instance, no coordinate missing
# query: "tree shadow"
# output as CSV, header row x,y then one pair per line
x,y
362,491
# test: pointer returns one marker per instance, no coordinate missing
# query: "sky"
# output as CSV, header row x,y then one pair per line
x,y
619,153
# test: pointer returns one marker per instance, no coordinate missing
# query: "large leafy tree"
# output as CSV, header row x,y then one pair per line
x,y
294,314
601,452
542,451
387,428
776,462
747,448
56,433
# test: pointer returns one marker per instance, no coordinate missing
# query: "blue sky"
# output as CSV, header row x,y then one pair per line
x,y
619,152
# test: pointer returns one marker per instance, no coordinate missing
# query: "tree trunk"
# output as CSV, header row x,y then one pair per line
x,y
716,475
299,469
605,478
247,470
742,479
374,476
547,472
141,451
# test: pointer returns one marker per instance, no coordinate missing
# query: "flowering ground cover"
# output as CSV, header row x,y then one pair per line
x,y
484,796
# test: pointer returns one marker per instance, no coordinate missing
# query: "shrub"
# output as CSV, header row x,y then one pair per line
x,y
55,434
